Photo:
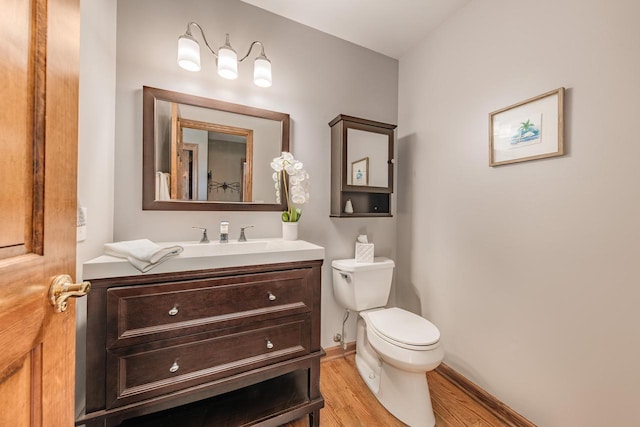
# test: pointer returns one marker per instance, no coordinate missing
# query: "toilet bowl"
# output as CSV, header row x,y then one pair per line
x,y
403,339
394,348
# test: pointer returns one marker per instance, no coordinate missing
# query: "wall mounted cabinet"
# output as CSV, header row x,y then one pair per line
x,y
361,167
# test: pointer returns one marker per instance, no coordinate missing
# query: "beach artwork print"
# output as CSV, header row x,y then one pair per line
x,y
532,129
527,132
360,172
517,132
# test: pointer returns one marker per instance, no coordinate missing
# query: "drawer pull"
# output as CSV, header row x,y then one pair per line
x,y
269,345
173,311
174,367
272,297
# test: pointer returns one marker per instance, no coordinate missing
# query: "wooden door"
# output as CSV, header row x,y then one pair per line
x,y
38,155
190,171
177,154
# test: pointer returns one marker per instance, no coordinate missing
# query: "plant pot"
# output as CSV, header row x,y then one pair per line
x,y
289,230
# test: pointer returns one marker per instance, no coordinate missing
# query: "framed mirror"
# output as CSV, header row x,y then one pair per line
x,y
205,154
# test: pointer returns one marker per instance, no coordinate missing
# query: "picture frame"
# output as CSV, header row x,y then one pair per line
x,y
529,130
360,172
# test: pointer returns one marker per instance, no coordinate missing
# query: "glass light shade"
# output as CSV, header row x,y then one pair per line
x,y
227,63
188,53
262,72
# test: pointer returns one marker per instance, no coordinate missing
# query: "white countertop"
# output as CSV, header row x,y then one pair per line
x,y
202,256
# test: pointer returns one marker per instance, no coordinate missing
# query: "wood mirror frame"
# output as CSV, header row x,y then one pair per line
x,y
150,97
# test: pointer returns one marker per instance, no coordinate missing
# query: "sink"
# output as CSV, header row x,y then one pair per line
x,y
192,249
206,256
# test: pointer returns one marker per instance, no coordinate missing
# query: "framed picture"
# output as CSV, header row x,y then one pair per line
x,y
531,129
360,172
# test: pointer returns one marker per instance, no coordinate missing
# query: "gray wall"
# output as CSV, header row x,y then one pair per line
x,y
96,130
315,78
529,270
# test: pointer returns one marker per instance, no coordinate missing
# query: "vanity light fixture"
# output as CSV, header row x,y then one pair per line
x,y
226,57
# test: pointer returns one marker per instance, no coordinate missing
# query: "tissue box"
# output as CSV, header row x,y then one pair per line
x,y
364,252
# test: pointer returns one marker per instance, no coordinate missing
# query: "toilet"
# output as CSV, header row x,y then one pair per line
x,y
394,347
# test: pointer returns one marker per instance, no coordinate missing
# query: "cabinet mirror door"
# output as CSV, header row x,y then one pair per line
x,y
367,155
367,158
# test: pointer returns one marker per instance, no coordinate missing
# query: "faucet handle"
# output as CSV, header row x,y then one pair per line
x,y
242,237
204,238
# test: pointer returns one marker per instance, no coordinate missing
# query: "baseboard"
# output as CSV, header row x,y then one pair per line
x,y
510,417
338,352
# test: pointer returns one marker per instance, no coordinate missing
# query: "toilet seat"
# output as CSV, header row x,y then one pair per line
x,y
403,328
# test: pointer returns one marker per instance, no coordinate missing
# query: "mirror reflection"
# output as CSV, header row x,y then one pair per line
x,y
367,158
206,154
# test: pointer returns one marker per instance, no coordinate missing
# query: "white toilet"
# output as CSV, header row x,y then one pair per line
x,y
394,348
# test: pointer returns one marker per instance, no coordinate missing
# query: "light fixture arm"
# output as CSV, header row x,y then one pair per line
x,y
188,32
257,42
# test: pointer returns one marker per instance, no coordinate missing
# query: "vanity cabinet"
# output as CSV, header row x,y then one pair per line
x,y
361,167
221,347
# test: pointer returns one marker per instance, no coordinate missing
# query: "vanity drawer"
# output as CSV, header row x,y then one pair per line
x,y
146,371
143,313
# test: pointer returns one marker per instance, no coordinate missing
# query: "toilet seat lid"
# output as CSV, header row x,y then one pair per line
x,y
403,326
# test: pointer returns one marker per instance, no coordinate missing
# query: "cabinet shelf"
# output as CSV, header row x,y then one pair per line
x,y
247,406
361,215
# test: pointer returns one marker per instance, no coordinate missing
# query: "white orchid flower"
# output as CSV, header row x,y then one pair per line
x,y
296,187
287,156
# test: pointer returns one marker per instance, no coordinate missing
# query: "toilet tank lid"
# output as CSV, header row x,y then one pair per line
x,y
350,265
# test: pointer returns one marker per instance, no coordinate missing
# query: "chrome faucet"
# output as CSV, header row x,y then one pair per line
x,y
242,237
204,238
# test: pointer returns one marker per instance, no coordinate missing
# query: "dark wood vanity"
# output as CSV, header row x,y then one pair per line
x,y
221,347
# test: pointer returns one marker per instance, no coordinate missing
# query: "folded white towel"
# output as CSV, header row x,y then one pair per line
x,y
143,254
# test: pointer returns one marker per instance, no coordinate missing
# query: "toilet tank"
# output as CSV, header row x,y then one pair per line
x,y
360,286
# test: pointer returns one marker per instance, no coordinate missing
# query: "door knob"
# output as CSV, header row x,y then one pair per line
x,y
62,288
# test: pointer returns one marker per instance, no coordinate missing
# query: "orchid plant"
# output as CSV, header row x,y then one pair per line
x,y
295,184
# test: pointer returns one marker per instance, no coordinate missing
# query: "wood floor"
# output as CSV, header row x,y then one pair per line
x,y
349,403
